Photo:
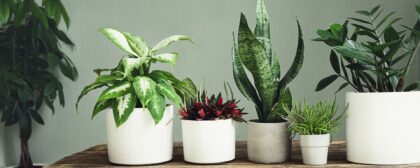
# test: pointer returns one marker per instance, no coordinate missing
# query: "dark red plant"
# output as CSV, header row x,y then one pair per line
x,y
213,108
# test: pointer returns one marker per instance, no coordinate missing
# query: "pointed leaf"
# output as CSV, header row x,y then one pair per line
x,y
4,12
167,57
123,107
344,85
413,86
366,13
385,19
167,41
118,39
117,90
102,105
334,62
325,82
156,107
169,92
132,63
137,44
277,113
262,28
276,68
144,88
35,115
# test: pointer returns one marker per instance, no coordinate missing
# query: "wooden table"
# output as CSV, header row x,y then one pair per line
x,y
97,157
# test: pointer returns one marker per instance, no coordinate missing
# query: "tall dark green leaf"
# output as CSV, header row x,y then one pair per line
x,y
325,82
262,28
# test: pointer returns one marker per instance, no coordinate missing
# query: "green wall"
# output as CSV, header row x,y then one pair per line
x,y
210,23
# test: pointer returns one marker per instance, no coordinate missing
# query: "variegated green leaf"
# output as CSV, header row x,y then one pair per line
x,y
156,107
167,41
132,63
4,12
123,107
101,105
254,58
118,39
262,28
168,91
117,90
137,44
144,88
241,79
276,68
167,57
278,112
163,76
297,62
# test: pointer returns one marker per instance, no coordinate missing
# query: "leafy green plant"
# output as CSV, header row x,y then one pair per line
x,y
131,84
30,54
254,52
321,118
371,57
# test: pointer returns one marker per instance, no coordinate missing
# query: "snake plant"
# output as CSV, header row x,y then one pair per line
x,y
254,52
131,84
370,58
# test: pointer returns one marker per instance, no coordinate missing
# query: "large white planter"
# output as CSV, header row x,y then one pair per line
x,y
139,141
208,142
383,128
268,142
315,149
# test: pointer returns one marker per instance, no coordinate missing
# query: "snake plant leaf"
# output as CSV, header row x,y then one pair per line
x,y
132,63
254,58
101,105
241,79
167,41
334,62
277,113
156,107
123,107
144,88
4,12
276,68
297,62
118,39
325,82
168,91
167,57
262,28
137,44
117,90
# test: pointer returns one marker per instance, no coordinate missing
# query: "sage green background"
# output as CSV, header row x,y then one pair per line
x,y
210,23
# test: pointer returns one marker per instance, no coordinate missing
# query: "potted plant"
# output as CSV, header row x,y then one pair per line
x,y
314,124
382,126
139,122
268,140
208,129
30,54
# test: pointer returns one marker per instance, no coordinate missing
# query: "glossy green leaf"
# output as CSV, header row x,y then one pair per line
x,y
131,64
137,44
156,107
4,12
366,13
334,62
117,90
35,115
262,28
167,41
123,107
169,92
101,106
167,57
254,58
325,82
144,88
118,39
360,20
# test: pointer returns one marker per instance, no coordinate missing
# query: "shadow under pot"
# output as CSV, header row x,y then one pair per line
x,y
208,141
268,142
139,141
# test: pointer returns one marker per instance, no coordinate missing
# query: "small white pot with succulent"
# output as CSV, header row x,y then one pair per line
x,y
314,124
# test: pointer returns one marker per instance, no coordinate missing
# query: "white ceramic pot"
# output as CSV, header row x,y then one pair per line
x,y
315,149
139,141
383,128
208,142
268,142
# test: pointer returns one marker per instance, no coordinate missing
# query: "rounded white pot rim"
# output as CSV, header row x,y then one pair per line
x,y
315,135
206,121
382,93
255,121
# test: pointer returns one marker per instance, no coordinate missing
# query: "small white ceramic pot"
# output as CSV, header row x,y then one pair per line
x,y
268,142
208,142
315,149
383,128
139,141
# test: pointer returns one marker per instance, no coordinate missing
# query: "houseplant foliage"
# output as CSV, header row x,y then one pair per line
x,y
131,84
212,108
30,54
254,52
370,58
321,118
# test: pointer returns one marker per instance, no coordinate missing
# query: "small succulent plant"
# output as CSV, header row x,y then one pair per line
x,y
212,108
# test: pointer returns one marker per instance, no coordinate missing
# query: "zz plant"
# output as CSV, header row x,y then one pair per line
x,y
255,53
371,58
131,84
30,56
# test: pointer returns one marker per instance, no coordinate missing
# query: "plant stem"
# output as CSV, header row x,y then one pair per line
x,y
400,84
25,157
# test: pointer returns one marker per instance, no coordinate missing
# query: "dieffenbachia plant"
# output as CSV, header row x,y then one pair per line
x,y
370,57
131,84
254,52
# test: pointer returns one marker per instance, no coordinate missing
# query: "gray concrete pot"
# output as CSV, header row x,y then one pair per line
x,y
268,142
